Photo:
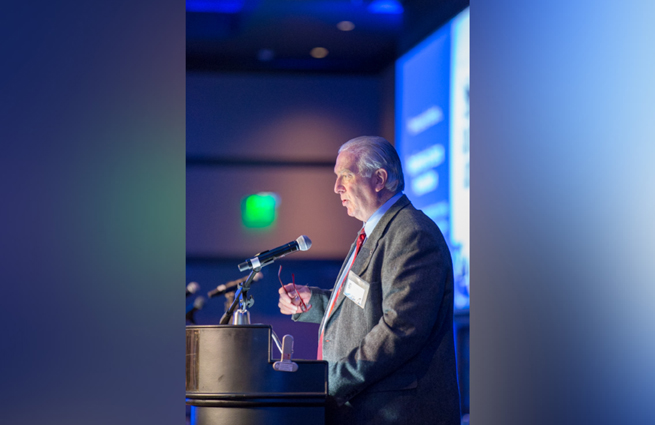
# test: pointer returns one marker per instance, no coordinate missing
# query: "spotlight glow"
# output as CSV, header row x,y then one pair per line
x,y
346,26
319,52
392,7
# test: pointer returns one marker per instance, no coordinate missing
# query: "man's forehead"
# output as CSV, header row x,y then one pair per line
x,y
341,168
346,161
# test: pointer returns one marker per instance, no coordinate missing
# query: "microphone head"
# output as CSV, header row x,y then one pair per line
x,y
304,243
192,287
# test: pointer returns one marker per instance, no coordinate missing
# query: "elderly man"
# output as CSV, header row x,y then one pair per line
x,y
387,326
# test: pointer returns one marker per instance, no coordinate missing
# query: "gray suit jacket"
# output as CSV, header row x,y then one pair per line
x,y
393,361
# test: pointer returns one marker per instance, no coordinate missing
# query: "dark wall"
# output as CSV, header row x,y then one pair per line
x,y
291,127
291,116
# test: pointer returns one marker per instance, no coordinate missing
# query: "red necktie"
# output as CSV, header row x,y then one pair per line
x,y
360,242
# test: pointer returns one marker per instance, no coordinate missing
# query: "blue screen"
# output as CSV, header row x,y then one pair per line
x,y
432,136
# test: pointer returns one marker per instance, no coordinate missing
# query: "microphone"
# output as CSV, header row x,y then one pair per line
x,y
191,309
303,243
231,286
192,288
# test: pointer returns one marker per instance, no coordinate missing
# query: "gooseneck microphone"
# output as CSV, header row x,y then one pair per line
x,y
231,286
303,243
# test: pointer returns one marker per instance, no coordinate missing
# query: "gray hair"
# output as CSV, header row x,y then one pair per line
x,y
373,153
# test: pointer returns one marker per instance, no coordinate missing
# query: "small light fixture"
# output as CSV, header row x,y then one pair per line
x,y
319,52
346,26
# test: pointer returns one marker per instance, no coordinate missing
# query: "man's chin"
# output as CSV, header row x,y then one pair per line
x,y
353,214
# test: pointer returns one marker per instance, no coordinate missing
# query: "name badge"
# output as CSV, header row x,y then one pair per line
x,y
356,289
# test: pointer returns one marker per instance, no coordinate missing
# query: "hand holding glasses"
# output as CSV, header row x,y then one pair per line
x,y
293,294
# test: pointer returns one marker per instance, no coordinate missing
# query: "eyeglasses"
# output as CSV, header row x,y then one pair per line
x,y
294,293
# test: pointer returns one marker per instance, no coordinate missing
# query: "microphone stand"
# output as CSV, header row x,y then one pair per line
x,y
241,297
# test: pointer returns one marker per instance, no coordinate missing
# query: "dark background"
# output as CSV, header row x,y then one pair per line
x,y
93,212
276,126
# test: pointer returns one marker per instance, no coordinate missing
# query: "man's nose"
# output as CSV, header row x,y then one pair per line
x,y
337,186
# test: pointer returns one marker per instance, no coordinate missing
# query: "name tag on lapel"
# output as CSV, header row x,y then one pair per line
x,y
356,289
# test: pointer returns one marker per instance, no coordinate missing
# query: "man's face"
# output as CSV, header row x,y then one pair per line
x,y
357,193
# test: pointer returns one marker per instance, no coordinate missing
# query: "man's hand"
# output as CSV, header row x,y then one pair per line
x,y
289,303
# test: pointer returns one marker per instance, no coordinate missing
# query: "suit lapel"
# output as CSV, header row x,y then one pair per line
x,y
344,267
366,252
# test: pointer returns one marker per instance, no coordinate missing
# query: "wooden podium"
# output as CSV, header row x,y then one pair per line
x,y
230,380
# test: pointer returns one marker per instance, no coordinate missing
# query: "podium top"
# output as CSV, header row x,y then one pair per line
x,y
252,325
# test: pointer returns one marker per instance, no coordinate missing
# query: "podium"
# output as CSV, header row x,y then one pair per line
x,y
230,379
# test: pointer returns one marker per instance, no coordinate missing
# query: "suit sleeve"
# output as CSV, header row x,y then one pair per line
x,y
318,301
415,270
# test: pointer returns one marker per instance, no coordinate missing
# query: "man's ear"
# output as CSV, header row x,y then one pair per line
x,y
381,177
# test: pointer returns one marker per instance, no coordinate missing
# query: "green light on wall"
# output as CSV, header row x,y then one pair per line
x,y
259,211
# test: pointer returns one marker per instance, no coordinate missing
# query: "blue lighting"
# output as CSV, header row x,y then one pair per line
x,y
386,6
217,6
432,139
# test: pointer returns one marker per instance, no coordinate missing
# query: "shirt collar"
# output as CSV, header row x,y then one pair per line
x,y
370,224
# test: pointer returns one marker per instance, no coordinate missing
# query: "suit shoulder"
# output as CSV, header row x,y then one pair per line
x,y
410,218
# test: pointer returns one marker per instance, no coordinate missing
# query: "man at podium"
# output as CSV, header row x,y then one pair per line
x,y
386,328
